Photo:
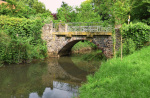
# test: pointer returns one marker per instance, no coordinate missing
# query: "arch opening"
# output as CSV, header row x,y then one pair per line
x,y
66,50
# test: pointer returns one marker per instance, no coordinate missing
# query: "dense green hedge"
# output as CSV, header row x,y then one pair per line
x,y
135,36
138,32
20,40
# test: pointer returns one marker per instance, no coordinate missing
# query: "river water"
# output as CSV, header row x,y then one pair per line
x,y
50,78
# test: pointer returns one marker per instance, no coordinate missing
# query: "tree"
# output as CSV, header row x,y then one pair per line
x,y
102,7
13,8
120,11
22,8
86,13
38,6
66,13
140,10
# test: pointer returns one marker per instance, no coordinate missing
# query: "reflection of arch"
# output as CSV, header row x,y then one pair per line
x,y
72,69
63,70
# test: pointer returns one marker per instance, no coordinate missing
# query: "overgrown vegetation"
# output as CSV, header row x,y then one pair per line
x,y
21,22
23,8
116,78
26,9
136,36
21,40
139,32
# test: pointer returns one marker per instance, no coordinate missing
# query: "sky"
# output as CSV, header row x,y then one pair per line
x,y
52,5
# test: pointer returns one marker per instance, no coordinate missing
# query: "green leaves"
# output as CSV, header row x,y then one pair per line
x,y
23,8
86,13
120,10
66,13
21,40
138,32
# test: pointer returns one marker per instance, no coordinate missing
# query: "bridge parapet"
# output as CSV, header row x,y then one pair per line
x,y
81,27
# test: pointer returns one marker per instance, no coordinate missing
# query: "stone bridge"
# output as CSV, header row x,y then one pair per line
x,y
61,37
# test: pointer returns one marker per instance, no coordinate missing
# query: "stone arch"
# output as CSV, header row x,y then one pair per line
x,y
66,49
103,43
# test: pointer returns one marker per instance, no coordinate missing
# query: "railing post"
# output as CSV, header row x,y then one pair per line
x,y
51,26
60,27
66,27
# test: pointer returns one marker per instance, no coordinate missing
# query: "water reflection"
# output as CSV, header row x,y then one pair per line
x,y
52,78
60,90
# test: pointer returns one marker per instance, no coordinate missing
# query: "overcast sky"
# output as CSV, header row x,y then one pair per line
x,y
52,5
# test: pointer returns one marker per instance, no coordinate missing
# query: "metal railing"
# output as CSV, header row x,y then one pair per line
x,y
81,27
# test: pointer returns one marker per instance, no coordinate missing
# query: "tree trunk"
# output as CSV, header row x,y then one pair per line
x,y
114,44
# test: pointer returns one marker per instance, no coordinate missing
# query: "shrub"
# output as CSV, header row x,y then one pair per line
x,y
128,47
138,32
24,37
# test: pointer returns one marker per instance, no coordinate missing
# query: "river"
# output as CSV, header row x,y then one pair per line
x,y
50,78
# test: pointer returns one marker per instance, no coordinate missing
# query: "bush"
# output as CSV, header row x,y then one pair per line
x,y
128,47
23,40
138,32
4,44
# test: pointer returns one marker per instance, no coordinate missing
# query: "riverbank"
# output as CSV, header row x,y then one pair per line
x,y
89,62
127,78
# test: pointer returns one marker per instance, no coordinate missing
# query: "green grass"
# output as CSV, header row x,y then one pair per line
x,y
129,78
